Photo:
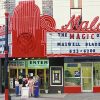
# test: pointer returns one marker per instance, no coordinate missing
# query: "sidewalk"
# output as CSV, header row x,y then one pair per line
x,y
82,96
41,97
73,96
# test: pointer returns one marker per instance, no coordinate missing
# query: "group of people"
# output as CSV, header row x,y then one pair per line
x,y
32,82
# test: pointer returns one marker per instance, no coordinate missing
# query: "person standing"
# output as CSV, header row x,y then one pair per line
x,y
24,84
16,87
20,85
36,87
31,86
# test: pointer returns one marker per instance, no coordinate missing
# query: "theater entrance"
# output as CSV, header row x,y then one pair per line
x,y
31,67
43,75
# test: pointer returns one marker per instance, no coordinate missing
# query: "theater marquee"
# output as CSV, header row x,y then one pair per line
x,y
72,44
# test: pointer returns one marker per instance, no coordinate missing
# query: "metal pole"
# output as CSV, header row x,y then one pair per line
x,y
6,48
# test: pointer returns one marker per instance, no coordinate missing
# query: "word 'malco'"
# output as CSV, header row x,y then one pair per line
x,y
76,24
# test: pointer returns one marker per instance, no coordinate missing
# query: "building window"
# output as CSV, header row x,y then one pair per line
x,y
96,73
72,74
75,3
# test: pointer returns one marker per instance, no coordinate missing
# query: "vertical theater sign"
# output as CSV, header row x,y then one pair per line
x,y
29,30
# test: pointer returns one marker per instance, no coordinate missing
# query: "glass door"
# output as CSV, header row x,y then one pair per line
x,y
31,72
13,75
21,72
87,78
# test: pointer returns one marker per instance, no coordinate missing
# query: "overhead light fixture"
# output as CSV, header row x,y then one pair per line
x,y
13,59
19,58
26,58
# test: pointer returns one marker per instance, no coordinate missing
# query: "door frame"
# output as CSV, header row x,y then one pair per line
x,y
51,84
82,90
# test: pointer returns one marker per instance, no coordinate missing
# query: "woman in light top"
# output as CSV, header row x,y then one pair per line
x,y
31,86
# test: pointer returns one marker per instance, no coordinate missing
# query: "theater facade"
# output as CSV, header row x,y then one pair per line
x,y
66,59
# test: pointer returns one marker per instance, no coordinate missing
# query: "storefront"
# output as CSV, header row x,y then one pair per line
x,y
82,76
30,67
74,74
65,75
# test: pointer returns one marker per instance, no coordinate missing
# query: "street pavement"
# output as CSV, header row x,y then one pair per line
x,y
76,96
